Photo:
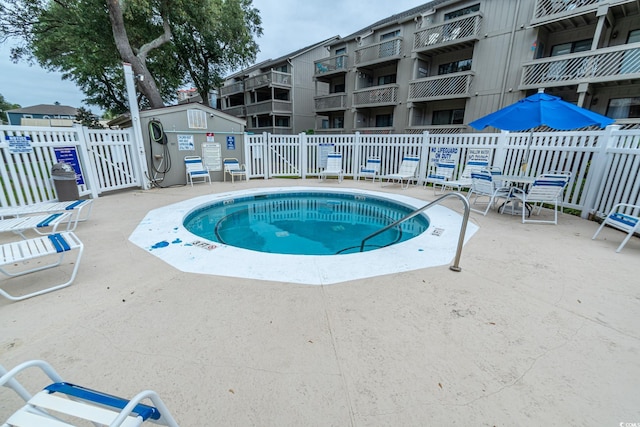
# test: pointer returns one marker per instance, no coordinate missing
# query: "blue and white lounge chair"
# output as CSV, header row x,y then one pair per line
x,y
234,169
440,174
195,169
371,170
406,172
483,185
545,189
62,404
464,180
80,210
37,254
41,224
625,217
334,167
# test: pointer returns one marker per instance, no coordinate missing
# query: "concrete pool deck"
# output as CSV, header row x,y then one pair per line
x,y
541,327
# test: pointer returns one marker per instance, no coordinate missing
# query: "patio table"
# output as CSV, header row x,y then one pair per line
x,y
520,181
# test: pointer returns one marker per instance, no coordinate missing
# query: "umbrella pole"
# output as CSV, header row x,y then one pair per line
x,y
525,159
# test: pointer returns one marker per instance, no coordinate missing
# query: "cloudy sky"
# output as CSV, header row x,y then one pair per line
x,y
288,25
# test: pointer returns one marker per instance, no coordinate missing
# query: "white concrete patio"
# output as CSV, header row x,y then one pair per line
x,y
541,327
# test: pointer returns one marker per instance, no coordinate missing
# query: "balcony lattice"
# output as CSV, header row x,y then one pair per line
x,y
237,111
453,31
237,87
441,87
608,64
388,49
331,64
334,101
268,107
547,8
378,95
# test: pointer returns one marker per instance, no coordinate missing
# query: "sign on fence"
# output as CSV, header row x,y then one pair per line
x,y
447,155
69,155
323,154
19,144
479,155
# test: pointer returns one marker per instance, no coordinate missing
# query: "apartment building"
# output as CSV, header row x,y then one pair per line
x,y
275,96
443,64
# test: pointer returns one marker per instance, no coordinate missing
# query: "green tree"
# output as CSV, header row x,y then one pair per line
x,y
86,118
168,42
4,106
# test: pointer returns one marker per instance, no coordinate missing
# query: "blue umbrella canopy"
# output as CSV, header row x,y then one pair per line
x,y
542,110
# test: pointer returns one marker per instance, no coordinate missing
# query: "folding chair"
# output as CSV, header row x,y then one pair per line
x,y
79,209
62,404
406,172
543,190
234,169
440,174
371,170
483,185
40,253
194,168
621,217
41,224
334,167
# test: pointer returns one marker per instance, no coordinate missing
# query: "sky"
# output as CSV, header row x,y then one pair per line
x,y
288,25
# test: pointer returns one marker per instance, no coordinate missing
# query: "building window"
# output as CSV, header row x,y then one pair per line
x,y
338,88
282,68
340,59
448,117
624,108
462,12
384,120
197,119
282,122
390,35
573,47
455,67
386,80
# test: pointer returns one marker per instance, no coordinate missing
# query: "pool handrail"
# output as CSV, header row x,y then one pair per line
x,y
463,229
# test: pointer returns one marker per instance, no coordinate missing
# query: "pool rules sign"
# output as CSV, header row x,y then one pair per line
x,y
19,144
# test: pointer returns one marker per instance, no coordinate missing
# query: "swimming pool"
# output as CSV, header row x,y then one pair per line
x,y
163,235
305,223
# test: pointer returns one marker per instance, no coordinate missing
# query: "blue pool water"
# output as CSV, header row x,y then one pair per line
x,y
304,223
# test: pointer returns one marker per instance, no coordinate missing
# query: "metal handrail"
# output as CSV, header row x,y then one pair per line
x,y
463,229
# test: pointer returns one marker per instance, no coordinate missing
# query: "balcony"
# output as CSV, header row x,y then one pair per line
x,y
448,36
376,96
611,64
388,50
237,87
331,102
270,78
437,129
238,111
274,130
554,10
448,86
330,66
269,107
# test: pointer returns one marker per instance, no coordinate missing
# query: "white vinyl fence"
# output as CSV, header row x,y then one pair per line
x,y
604,164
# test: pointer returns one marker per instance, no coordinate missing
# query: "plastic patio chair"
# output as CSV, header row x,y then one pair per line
x,y
196,169
62,404
406,172
625,217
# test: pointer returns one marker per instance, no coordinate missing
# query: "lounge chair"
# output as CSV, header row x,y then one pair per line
x,y
36,254
61,403
440,174
406,172
464,180
194,169
334,167
624,217
483,185
41,224
234,169
371,170
80,210
545,189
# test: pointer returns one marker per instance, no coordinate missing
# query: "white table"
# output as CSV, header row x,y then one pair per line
x,y
519,181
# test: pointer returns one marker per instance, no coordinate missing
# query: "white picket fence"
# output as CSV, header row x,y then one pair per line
x,y
604,165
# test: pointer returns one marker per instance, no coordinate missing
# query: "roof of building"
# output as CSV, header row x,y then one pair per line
x,y
124,120
48,109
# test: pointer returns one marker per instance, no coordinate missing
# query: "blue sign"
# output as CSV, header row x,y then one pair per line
x,y
69,155
231,143
19,144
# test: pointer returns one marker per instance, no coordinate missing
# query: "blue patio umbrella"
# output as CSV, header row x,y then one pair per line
x,y
541,110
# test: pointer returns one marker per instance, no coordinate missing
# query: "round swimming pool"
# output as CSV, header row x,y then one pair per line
x,y
305,223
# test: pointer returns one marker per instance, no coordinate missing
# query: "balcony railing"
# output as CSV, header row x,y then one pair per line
x,y
457,85
378,95
546,9
237,111
267,79
605,65
436,129
267,107
236,87
334,101
384,51
332,64
275,130
452,32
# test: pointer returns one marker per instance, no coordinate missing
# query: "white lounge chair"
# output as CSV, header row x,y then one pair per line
x,y
625,217
334,167
36,254
41,224
79,209
406,172
547,190
484,186
371,170
440,174
194,169
234,169
62,404
464,180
